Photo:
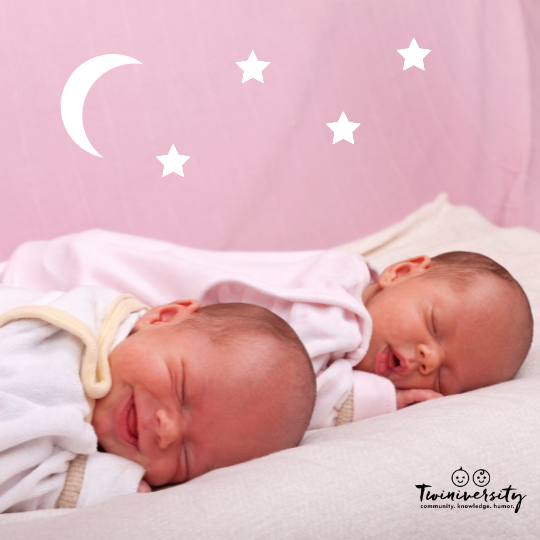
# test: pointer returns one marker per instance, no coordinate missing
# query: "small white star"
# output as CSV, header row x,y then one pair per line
x,y
414,55
252,68
173,162
343,129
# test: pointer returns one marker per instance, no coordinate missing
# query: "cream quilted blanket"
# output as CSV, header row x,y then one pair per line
x,y
374,478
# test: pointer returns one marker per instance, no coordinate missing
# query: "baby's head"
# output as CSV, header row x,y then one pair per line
x,y
195,389
451,323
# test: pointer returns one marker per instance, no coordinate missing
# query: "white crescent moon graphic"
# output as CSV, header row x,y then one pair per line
x,y
76,89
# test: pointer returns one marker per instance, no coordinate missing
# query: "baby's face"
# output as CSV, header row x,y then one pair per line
x,y
180,406
427,335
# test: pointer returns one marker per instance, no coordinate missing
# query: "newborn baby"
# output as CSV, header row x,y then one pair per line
x,y
423,328
199,389
446,325
182,392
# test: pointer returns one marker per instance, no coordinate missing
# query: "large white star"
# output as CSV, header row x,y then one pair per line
x,y
343,129
173,162
252,68
414,55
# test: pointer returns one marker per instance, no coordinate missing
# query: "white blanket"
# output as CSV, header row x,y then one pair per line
x,y
319,293
43,404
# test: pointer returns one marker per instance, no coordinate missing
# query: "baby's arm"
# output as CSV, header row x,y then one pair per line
x,y
107,476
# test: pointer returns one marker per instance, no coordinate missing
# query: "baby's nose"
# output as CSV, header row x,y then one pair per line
x,y
427,359
167,429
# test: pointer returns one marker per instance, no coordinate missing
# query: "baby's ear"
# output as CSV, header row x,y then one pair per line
x,y
177,311
408,267
172,313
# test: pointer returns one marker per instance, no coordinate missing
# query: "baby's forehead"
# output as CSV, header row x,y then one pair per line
x,y
476,294
240,351
489,302
462,282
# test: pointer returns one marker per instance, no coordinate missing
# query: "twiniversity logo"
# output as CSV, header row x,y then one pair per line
x,y
481,478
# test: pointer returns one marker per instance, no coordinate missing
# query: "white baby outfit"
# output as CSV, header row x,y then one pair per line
x,y
319,293
53,350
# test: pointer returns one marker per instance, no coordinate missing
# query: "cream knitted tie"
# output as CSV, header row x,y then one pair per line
x,y
346,413
95,370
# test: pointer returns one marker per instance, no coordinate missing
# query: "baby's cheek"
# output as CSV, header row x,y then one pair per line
x,y
160,471
367,363
96,422
100,420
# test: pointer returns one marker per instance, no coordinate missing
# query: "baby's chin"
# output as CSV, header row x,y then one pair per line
x,y
160,471
157,478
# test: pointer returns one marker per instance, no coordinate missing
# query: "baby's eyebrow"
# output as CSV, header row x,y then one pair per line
x,y
438,327
179,382
183,383
430,322
174,376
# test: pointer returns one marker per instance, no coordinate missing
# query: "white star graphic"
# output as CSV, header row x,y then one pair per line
x,y
414,55
343,129
173,162
252,68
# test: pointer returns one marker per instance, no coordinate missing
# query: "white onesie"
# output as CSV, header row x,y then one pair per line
x,y
319,293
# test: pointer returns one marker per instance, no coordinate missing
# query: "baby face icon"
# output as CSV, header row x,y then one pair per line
x,y
460,477
481,478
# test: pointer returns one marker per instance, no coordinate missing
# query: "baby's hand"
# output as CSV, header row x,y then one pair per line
x,y
415,395
144,487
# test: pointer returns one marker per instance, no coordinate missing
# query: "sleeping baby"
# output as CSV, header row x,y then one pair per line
x,y
446,325
169,393
423,328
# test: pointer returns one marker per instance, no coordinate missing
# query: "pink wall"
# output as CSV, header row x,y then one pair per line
x,y
263,173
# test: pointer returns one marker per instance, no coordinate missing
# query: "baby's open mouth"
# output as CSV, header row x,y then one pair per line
x,y
126,426
393,361
386,362
132,421
396,362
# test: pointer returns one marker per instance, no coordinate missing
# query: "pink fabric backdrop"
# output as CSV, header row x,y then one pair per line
x,y
263,173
